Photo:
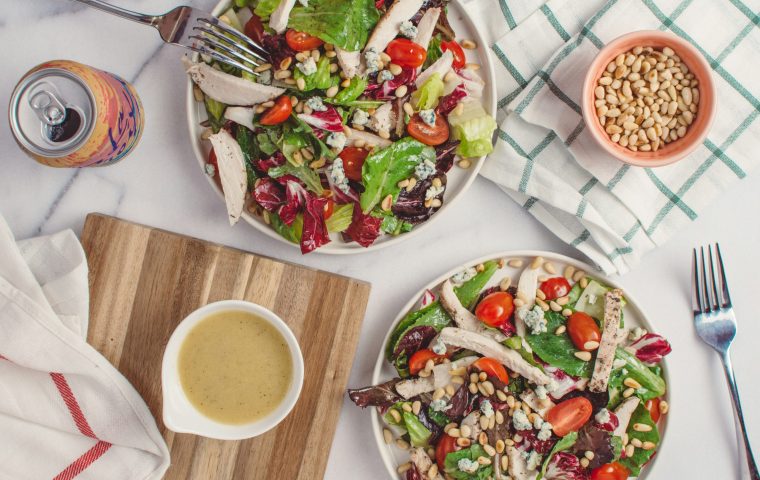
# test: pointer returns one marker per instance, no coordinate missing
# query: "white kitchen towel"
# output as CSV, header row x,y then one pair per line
x,y
547,161
65,411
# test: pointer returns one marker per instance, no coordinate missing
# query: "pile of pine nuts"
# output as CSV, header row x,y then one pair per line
x,y
646,98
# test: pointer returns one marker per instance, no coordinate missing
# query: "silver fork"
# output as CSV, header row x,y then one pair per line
x,y
198,31
716,325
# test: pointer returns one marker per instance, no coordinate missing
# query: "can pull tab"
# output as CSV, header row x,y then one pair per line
x,y
48,107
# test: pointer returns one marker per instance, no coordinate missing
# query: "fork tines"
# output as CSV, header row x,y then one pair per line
x,y
226,45
709,293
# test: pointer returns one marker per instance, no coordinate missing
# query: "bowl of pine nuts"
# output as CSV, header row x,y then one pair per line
x,y
649,98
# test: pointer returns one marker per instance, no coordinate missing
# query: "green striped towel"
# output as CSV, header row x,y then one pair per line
x,y
547,161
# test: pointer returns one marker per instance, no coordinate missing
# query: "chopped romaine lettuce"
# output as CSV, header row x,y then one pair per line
x,y
470,290
474,128
557,350
652,385
344,24
426,97
215,111
291,233
434,51
418,433
640,456
264,8
341,218
318,80
466,457
351,92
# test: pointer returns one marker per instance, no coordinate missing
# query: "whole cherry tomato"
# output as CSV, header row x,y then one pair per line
x,y
570,415
353,160
254,29
420,358
610,471
446,445
426,134
457,51
582,329
493,368
302,41
555,287
653,406
495,309
406,53
278,113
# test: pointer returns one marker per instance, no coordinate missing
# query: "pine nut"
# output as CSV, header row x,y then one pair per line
x,y
629,450
562,300
584,356
503,396
454,432
406,407
404,467
628,392
332,91
416,407
401,91
465,431
567,312
642,427
504,284
515,263
387,203
402,444
588,454
464,442
483,422
636,442
550,269
473,388
469,44
464,163
504,463
438,394
499,417
630,382
556,307
450,390
483,438
387,436
648,445
560,330
500,446
584,462
591,345
537,262
664,407
484,461
577,276
569,271
544,306
540,294
301,83
433,471
584,282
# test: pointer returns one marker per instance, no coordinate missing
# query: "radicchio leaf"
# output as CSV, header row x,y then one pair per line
x,y
434,428
295,198
278,48
427,298
610,425
329,120
565,466
364,229
531,442
387,89
415,339
447,103
444,156
275,160
651,348
460,403
269,194
314,229
410,205
383,395
598,441
564,383
413,473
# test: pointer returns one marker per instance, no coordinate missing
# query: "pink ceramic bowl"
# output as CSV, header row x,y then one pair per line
x,y
696,132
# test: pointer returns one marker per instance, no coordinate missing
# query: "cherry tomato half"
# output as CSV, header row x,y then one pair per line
x,y
457,51
254,29
406,53
582,328
570,415
493,368
446,445
653,406
420,358
555,287
426,134
353,160
302,41
610,471
495,309
329,208
278,113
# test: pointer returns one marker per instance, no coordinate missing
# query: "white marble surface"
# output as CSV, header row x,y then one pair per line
x,y
161,185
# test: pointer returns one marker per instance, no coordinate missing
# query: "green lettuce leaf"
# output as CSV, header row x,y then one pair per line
x,y
264,8
640,456
290,233
302,172
470,290
215,112
351,92
250,153
341,218
652,385
557,350
319,80
426,97
434,51
418,433
344,24
472,453
384,169
474,129
564,443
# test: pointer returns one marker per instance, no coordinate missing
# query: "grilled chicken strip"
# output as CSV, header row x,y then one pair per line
x,y
229,89
605,354
462,317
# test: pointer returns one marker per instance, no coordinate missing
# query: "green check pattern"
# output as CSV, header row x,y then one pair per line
x,y
546,160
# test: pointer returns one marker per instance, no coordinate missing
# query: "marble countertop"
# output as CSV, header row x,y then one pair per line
x,y
161,185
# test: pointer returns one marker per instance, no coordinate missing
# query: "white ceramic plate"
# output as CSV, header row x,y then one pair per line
x,y
458,179
384,371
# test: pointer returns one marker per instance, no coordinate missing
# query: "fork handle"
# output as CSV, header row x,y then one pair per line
x,y
122,12
751,471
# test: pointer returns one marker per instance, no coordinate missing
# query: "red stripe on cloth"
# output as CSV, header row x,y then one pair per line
x,y
81,463
72,404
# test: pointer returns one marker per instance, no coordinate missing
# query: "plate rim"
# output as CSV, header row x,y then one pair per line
x,y
334,248
377,424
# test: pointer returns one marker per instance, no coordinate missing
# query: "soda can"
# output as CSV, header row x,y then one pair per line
x,y
66,114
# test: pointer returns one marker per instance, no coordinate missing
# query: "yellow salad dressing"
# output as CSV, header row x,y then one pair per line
x,y
235,367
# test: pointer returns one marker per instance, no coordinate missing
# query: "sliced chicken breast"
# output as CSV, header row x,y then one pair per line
x,y
526,290
463,317
518,467
383,120
279,19
415,386
440,378
423,462
487,347
240,115
605,354
368,138
349,62
624,411
231,171
442,66
229,89
540,406
442,371
388,27
426,27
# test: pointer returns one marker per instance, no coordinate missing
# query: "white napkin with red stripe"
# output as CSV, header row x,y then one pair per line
x,y
65,411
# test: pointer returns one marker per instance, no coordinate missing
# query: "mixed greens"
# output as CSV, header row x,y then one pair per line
x,y
541,380
358,111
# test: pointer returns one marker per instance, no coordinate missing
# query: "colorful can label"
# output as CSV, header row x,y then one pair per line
x,y
66,114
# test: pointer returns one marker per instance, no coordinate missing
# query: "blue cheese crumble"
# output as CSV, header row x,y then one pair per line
x,y
520,421
307,67
538,422
466,274
603,416
360,117
438,347
316,104
541,392
384,76
534,319
338,176
210,170
545,432
486,408
265,78
433,192
468,466
439,405
428,116
424,169
534,460
372,59
637,333
337,140
408,29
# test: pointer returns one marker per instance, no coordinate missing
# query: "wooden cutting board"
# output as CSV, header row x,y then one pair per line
x,y
144,281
